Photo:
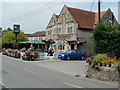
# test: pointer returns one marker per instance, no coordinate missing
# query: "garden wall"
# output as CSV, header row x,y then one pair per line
x,y
104,74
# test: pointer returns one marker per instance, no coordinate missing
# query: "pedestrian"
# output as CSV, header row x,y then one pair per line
x,y
51,51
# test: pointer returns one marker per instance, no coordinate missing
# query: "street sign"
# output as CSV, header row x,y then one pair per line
x,y
16,28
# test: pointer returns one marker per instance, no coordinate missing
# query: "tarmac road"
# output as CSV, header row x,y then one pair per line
x,y
19,74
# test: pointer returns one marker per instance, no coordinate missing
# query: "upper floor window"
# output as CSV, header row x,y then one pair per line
x,y
59,28
69,27
64,16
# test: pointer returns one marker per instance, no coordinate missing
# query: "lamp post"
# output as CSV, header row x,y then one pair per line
x,y
16,30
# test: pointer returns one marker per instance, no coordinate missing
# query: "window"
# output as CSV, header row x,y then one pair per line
x,y
64,17
108,20
69,27
59,29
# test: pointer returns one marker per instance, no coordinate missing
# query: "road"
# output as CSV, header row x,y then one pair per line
x,y
19,74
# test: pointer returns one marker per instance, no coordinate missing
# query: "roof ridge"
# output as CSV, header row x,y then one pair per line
x,y
79,9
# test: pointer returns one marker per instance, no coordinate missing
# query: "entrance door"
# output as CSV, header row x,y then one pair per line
x,y
72,46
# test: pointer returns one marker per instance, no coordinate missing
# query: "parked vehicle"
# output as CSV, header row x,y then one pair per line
x,y
73,54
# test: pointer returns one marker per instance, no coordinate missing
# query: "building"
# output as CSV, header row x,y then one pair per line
x,y
38,36
74,27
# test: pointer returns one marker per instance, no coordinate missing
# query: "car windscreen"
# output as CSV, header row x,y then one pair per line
x,y
69,51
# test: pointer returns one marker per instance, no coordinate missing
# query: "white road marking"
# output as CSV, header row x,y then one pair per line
x,y
3,85
73,85
32,72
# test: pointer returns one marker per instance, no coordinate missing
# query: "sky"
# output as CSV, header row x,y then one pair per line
x,y
34,15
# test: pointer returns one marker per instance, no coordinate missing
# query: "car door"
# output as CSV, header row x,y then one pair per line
x,y
80,53
74,54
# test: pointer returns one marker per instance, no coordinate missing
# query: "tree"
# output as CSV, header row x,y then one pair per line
x,y
106,39
9,38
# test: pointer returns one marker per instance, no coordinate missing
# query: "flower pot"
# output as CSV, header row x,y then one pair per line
x,y
109,65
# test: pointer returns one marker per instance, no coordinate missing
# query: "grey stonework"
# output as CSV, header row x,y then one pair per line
x,y
104,74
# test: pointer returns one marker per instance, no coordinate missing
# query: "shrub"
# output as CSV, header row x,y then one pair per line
x,y
99,57
109,60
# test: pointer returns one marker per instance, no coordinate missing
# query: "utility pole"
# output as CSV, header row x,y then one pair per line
x,y
99,11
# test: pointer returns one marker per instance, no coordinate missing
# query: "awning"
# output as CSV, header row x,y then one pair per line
x,y
32,42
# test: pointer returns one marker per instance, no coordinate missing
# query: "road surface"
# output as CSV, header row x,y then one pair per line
x,y
19,74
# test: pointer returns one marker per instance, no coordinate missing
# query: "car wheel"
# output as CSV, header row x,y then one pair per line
x,y
82,57
68,57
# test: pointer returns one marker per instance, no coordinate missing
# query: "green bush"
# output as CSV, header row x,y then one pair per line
x,y
99,57
106,39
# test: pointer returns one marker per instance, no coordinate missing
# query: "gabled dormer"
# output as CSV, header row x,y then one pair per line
x,y
52,20
109,17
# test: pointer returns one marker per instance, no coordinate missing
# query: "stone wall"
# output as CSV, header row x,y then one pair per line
x,y
86,35
104,74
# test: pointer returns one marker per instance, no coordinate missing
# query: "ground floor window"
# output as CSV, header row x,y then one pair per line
x,y
61,47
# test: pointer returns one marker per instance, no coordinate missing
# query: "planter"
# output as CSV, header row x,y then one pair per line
x,y
100,64
109,65
104,64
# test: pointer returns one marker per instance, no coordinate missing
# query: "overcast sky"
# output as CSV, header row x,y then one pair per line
x,y
34,15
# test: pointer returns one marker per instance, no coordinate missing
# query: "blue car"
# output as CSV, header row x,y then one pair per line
x,y
73,54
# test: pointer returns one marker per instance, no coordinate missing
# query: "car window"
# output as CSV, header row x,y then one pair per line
x,y
74,51
80,51
69,51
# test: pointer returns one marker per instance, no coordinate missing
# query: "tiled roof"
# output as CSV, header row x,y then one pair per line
x,y
85,19
28,35
36,34
40,33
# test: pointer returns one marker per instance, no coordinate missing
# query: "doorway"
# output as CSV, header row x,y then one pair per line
x,y
72,46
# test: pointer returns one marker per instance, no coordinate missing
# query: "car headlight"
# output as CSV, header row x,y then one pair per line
x,y
63,55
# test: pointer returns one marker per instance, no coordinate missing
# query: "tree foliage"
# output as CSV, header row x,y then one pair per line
x,y
107,39
9,37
